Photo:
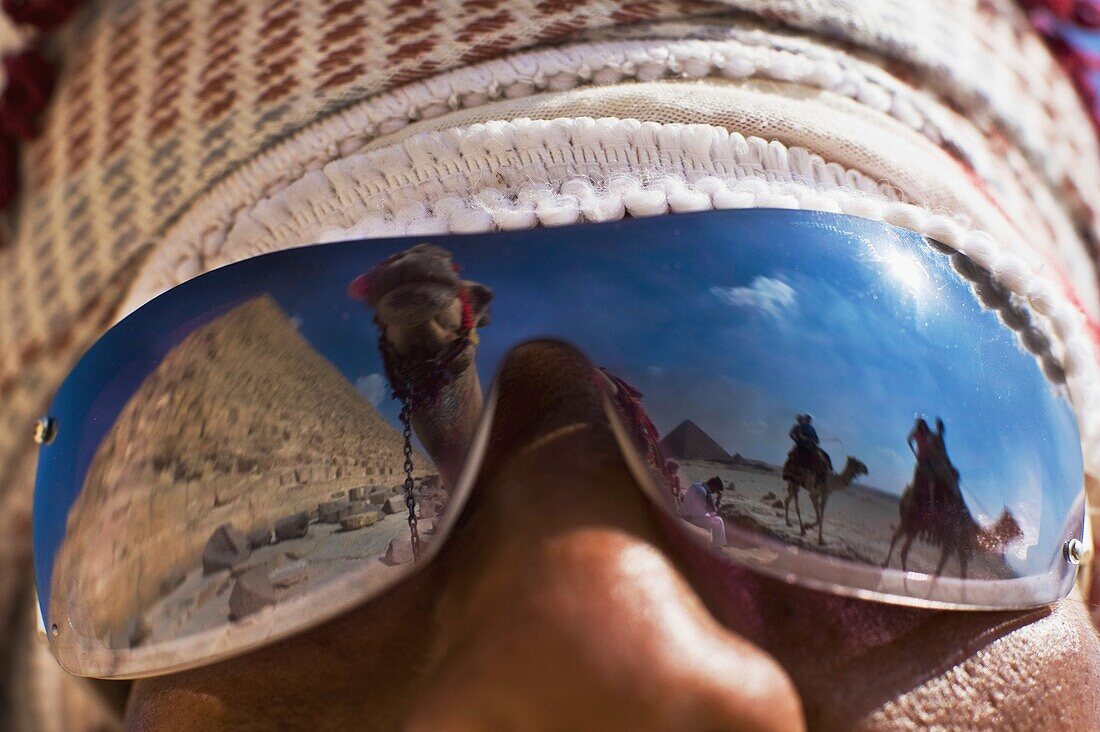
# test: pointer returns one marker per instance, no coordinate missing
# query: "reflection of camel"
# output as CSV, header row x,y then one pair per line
x,y
951,527
428,317
819,485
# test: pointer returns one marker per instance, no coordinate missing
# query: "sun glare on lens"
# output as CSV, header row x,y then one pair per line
x,y
907,271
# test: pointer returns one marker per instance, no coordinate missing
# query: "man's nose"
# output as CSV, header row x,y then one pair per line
x,y
564,608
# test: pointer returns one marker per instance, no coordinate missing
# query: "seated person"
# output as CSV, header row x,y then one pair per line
x,y
700,507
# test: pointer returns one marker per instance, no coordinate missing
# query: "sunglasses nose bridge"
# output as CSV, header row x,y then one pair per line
x,y
541,385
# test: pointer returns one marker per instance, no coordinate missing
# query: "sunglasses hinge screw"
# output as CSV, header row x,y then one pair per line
x,y
1074,551
45,430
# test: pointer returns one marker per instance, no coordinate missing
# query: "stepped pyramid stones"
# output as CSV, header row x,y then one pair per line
x,y
688,441
290,575
252,591
427,509
292,527
226,548
171,581
332,512
259,537
398,551
359,520
242,422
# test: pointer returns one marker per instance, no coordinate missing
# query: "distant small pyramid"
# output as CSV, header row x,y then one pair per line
x,y
689,442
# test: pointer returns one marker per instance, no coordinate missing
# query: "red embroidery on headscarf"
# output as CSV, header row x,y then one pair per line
x,y
42,14
1072,30
30,82
9,170
464,299
646,437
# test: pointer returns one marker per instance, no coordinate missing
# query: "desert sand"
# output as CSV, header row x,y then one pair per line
x,y
859,520
295,566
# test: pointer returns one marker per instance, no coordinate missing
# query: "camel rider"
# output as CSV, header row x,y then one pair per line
x,y
803,432
934,470
919,440
942,466
806,441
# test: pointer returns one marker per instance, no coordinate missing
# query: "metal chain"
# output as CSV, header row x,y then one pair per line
x,y
410,499
419,387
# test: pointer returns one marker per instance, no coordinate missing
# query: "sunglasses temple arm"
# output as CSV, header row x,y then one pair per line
x,y
109,696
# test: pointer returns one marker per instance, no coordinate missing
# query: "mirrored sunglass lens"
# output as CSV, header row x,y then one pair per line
x,y
824,398
220,462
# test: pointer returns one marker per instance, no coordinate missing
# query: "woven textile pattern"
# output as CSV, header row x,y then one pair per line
x,y
949,44
158,98
166,109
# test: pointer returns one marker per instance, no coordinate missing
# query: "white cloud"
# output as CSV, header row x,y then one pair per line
x,y
373,387
768,295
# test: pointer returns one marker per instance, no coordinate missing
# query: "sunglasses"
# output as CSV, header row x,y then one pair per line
x,y
832,401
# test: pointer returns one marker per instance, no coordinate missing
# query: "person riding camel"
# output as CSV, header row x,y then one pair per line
x,y
807,450
803,432
947,471
935,479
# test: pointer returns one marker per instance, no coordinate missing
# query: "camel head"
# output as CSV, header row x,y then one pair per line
x,y
852,469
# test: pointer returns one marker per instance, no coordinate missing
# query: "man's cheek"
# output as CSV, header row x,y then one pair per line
x,y
1092,585
1090,582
